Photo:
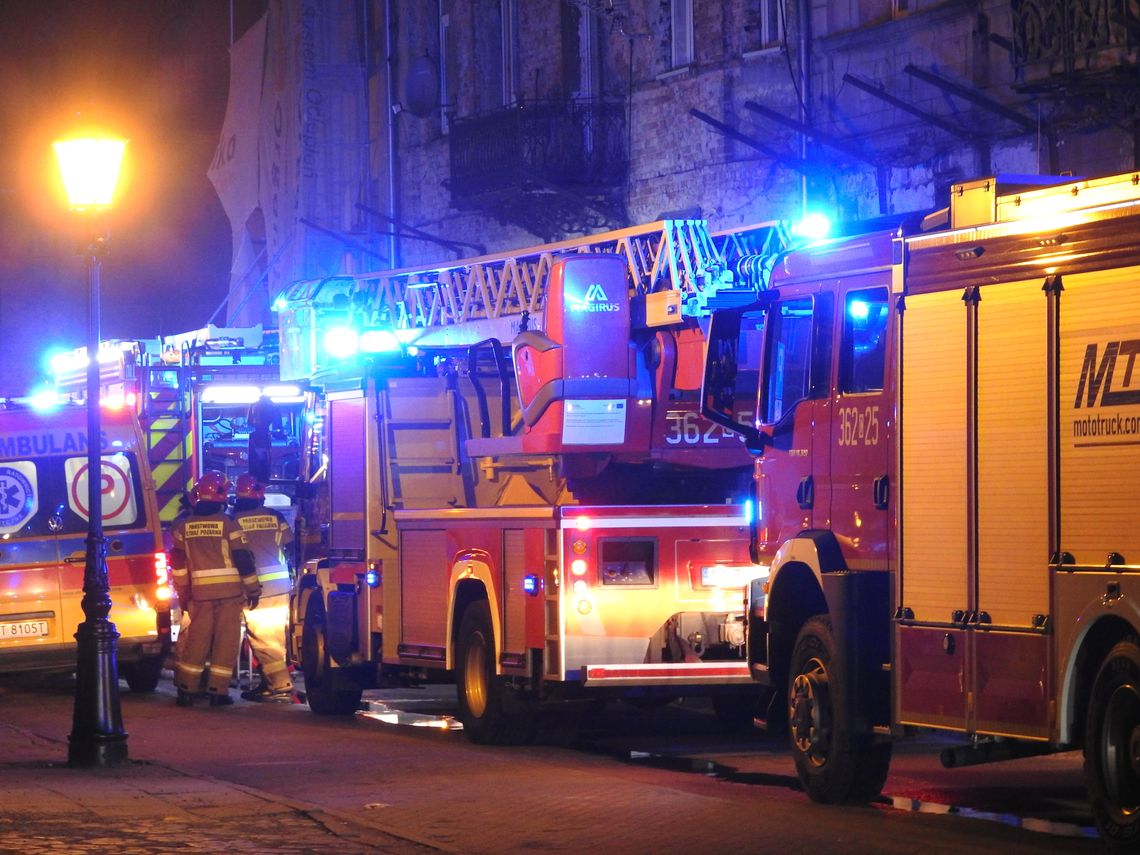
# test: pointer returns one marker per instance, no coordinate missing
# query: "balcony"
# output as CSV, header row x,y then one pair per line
x,y
1067,43
554,168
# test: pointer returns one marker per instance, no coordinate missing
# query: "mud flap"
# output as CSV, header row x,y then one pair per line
x,y
860,607
340,625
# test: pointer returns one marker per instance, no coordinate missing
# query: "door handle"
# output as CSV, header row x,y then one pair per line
x,y
881,492
805,493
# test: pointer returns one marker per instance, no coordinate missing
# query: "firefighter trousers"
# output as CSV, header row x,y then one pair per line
x,y
265,631
213,636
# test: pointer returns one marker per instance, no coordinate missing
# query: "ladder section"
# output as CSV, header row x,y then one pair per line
x,y
165,423
495,296
551,597
421,438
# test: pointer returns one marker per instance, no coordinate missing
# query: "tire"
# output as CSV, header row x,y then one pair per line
x,y
835,764
1112,743
328,691
143,676
483,694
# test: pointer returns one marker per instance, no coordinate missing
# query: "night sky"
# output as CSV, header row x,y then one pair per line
x,y
157,72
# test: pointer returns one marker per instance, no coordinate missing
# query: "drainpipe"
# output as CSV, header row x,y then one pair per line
x,y
804,7
390,126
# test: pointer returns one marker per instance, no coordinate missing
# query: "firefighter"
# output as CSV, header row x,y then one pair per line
x,y
271,540
264,421
215,578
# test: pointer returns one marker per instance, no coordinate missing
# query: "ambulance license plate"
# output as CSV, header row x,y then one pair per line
x,y
23,629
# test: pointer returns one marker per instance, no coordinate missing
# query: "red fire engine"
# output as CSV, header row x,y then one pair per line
x,y
520,486
946,437
193,393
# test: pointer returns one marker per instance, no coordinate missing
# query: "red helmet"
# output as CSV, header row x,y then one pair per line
x,y
248,487
211,487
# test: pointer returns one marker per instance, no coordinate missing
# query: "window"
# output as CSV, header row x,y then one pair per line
x,y
446,73
582,58
862,357
770,22
682,32
789,359
491,54
48,496
509,16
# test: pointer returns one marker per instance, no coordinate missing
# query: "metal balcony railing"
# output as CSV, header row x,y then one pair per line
x,y
1067,37
577,145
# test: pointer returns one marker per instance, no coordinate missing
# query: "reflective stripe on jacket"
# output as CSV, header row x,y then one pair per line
x,y
269,537
202,558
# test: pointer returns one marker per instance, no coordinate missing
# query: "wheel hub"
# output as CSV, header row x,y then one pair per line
x,y
809,712
475,677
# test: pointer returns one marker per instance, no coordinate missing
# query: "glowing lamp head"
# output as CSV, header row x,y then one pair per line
x,y
342,342
89,167
814,226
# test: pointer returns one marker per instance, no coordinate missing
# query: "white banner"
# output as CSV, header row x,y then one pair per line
x,y
233,171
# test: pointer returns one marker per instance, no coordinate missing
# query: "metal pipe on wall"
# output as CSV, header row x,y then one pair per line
x,y
804,8
394,256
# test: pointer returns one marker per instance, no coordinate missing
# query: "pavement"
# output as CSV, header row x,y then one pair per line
x,y
145,807
149,806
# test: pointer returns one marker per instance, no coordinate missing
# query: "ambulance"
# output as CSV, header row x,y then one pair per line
x,y
43,531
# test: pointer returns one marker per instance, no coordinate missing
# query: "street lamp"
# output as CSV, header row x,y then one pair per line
x,y
89,166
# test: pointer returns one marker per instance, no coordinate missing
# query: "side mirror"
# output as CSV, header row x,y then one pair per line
x,y
755,441
730,382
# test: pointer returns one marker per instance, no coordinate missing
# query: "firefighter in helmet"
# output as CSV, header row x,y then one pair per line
x,y
215,578
271,540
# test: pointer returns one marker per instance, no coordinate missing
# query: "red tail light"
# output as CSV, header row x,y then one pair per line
x,y
162,576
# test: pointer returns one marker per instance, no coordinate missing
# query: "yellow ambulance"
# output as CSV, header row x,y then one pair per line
x,y
43,531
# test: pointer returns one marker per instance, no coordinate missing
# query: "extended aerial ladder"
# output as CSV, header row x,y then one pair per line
x,y
677,274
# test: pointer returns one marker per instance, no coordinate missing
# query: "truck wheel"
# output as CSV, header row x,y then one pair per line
x,y
1112,746
327,691
482,694
142,676
835,764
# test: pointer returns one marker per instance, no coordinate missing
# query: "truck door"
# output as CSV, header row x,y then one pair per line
x,y
861,425
791,481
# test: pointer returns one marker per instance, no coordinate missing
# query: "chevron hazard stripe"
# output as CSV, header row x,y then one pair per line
x,y
170,461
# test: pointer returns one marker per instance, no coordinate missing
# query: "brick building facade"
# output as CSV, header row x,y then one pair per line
x,y
496,124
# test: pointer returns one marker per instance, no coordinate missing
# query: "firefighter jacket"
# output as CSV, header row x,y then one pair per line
x,y
269,539
211,559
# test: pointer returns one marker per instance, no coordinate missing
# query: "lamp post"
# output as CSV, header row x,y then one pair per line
x,y
90,169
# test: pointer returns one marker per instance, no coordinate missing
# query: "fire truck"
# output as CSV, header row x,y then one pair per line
x,y
520,488
946,423
193,394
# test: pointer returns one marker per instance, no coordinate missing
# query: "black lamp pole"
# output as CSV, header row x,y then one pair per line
x,y
97,735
